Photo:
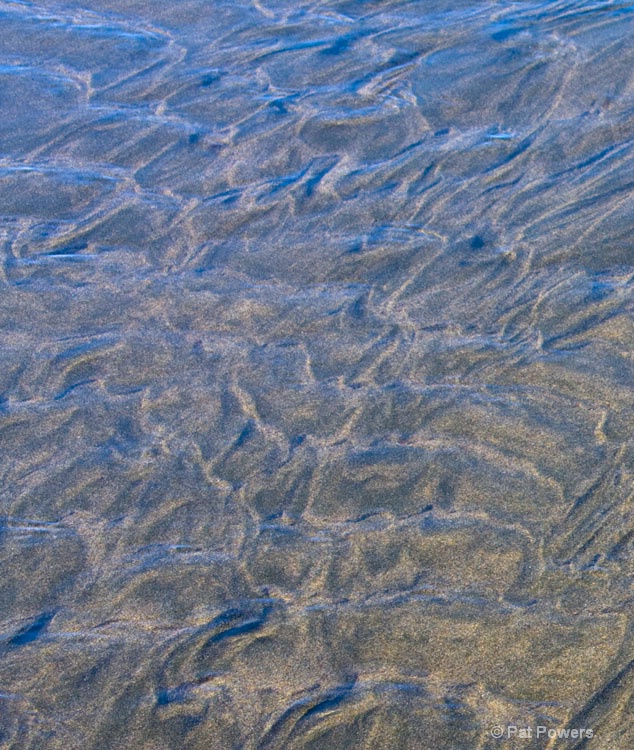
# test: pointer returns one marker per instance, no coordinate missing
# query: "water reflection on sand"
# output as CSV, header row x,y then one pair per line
x,y
317,381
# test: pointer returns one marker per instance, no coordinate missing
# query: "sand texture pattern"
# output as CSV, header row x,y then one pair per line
x,y
317,384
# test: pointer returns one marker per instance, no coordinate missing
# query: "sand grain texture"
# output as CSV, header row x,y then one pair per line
x,y
318,374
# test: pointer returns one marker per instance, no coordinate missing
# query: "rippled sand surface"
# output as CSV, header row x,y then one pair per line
x,y
317,380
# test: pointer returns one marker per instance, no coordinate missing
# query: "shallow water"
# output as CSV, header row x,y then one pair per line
x,y
318,374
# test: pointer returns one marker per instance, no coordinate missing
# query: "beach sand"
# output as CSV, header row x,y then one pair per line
x,y
318,375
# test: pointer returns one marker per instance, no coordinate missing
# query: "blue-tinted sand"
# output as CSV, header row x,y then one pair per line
x,y
317,384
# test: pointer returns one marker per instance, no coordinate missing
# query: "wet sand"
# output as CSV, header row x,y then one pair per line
x,y
318,375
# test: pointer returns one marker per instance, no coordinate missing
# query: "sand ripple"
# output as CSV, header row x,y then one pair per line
x,y
316,402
